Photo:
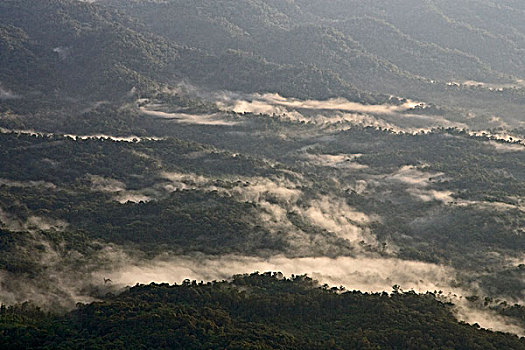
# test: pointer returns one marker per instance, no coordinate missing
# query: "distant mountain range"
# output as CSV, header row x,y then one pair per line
x,y
436,51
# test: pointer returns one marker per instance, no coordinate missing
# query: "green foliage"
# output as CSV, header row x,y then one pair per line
x,y
253,311
79,67
185,220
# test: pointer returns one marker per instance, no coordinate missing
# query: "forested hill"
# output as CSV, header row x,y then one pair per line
x,y
67,48
253,311
62,53
71,50
452,53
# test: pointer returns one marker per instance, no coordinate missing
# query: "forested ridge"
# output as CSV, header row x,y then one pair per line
x,y
257,311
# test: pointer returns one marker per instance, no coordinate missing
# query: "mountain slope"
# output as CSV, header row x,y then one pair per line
x,y
252,312
80,49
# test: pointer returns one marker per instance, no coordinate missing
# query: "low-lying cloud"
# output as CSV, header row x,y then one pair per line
x,y
25,184
507,147
118,189
277,198
186,118
418,184
339,161
363,273
32,223
131,138
6,94
259,101
335,112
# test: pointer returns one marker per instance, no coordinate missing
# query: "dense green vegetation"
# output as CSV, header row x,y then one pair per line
x,y
85,52
117,55
252,312
184,219
203,160
371,46
74,182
